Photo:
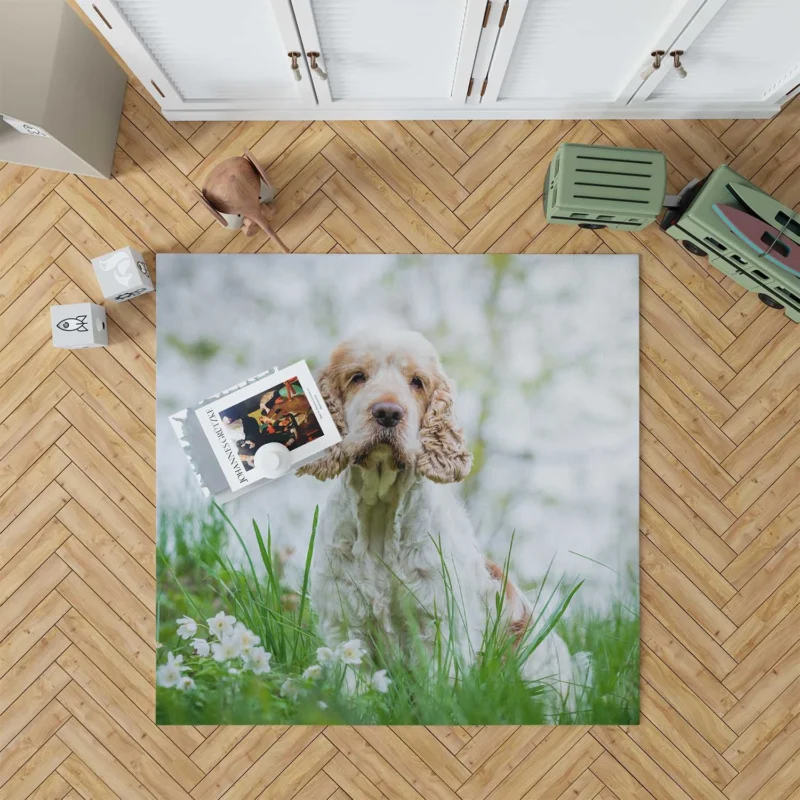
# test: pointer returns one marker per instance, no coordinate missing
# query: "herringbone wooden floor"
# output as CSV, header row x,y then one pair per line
x,y
720,507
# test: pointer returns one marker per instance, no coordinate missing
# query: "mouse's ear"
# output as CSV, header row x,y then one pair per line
x,y
213,211
444,457
334,459
257,167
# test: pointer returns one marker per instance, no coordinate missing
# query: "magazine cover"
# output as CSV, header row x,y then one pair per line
x,y
221,435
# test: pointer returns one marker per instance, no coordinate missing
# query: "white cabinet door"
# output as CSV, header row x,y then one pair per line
x,y
208,55
578,54
742,51
399,55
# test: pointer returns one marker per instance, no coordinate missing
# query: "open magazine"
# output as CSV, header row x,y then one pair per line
x,y
221,434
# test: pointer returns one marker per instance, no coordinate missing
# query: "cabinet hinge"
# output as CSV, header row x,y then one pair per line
x,y
503,15
469,88
483,88
486,13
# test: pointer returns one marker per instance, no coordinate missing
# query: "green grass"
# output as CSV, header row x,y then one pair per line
x,y
197,580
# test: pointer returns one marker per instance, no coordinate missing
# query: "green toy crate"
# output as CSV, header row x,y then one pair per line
x,y
605,187
702,232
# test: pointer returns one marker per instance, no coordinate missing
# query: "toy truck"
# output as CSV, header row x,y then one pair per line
x,y
742,231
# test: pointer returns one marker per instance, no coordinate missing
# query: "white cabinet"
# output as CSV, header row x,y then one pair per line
x,y
415,53
732,52
206,54
545,60
373,59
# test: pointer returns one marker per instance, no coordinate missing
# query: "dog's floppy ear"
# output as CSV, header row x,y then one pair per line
x,y
444,457
333,460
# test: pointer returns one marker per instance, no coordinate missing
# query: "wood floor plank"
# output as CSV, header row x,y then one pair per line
x,y
85,783
692,674
138,469
12,176
31,738
686,594
109,479
31,629
108,586
516,193
138,651
681,554
493,152
223,774
159,131
30,267
154,198
682,445
767,397
766,617
26,198
502,180
683,736
153,161
131,753
425,167
372,223
101,763
437,143
30,229
293,158
425,222
683,411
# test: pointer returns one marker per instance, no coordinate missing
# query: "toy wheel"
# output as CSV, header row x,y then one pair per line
x,y
769,301
693,248
592,226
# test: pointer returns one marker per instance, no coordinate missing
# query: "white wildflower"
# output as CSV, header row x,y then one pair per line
x,y
227,649
258,660
313,673
380,681
326,656
187,627
201,647
233,671
187,684
221,625
170,674
322,704
290,689
246,638
351,652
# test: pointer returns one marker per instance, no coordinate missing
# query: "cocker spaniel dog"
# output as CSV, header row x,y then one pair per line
x,y
393,506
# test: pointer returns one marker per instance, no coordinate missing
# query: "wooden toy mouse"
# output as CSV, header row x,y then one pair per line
x,y
233,188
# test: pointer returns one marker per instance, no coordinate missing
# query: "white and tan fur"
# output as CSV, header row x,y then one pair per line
x,y
393,500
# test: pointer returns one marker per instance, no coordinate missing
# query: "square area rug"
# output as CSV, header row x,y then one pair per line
x,y
467,554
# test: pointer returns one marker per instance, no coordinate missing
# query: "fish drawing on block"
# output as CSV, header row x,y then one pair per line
x,y
763,238
77,324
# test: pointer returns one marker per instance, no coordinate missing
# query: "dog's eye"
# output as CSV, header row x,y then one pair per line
x,y
417,383
359,377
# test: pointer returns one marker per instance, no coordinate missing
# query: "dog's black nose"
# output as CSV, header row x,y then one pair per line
x,y
388,414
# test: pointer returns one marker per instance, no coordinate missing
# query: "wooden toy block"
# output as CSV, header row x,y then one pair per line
x,y
122,274
78,325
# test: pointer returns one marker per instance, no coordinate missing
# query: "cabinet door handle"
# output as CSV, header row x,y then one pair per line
x,y
676,60
294,55
312,57
651,68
